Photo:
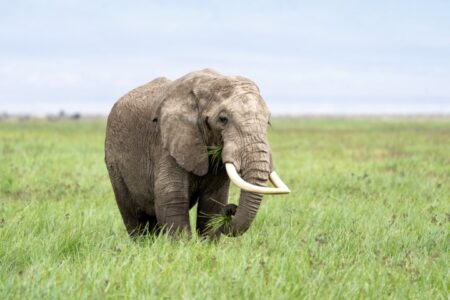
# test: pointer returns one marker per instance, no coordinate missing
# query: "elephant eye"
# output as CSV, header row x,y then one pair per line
x,y
223,120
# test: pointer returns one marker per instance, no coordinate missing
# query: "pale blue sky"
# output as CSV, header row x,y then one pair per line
x,y
306,56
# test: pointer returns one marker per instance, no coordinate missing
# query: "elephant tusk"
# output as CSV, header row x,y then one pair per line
x,y
276,180
280,187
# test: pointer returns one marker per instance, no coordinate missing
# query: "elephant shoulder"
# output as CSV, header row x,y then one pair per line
x,y
130,119
152,90
141,101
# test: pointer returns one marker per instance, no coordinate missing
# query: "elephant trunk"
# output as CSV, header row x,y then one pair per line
x,y
255,169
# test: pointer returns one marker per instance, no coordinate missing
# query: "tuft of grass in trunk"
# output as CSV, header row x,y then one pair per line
x,y
215,157
217,221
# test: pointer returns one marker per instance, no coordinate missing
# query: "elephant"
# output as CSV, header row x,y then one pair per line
x,y
156,153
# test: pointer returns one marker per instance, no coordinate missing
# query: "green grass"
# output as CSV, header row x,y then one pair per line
x,y
215,157
219,220
368,217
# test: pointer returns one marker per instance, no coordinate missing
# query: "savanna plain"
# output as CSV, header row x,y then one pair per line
x,y
368,218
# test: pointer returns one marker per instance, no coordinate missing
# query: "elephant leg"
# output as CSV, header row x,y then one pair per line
x,y
211,203
127,207
172,198
136,221
148,223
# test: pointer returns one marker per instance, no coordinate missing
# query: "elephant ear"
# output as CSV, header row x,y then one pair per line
x,y
180,133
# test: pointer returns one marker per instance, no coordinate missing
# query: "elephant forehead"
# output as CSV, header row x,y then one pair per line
x,y
185,118
250,105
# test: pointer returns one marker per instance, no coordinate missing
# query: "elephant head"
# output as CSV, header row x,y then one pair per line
x,y
205,108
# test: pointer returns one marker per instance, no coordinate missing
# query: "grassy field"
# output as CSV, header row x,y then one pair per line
x,y
368,217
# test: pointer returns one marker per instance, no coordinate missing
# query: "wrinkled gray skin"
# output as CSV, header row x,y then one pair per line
x,y
156,151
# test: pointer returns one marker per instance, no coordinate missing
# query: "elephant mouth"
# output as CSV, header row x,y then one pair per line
x,y
279,186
